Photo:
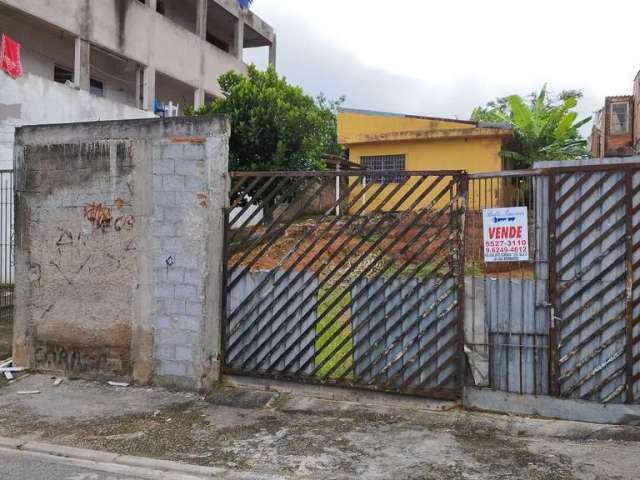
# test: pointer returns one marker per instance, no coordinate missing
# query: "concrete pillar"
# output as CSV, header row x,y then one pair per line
x,y
158,312
148,88
139,86
238,38
198,98
201,19
82,65
272,51
152,4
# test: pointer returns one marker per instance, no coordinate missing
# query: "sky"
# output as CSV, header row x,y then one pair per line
x,y
443,58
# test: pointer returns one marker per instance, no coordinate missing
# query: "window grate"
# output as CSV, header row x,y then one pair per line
x,y
385,162
619,118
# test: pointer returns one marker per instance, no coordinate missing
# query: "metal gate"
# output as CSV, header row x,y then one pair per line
x,y
594,258
348,278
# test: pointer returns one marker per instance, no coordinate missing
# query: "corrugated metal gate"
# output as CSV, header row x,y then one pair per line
x,y
594,258
348,278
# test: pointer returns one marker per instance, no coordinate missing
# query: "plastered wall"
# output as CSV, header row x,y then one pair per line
x,y
119,249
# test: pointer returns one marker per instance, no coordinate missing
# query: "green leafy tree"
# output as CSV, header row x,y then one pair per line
x,y
275,125
544,127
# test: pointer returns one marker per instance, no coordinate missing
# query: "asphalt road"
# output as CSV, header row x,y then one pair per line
x,y
17,465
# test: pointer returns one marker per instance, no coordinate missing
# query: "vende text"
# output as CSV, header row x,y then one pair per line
x,y
505,232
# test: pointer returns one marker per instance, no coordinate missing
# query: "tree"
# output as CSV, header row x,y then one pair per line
x,y
275,125
544,127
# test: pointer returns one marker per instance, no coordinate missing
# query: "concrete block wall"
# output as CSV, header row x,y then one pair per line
x,y
119,249
180,232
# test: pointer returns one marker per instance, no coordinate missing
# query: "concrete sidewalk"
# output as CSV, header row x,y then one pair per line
x,y
293,436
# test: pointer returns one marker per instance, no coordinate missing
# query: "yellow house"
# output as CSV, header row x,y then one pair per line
x,y
387,141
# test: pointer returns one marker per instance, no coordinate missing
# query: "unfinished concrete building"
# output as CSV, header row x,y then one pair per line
x,y
616,127
87,60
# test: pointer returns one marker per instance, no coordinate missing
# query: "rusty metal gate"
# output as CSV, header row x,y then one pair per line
x,y
594,224
348,278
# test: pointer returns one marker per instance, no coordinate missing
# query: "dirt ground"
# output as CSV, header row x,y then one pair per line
x,y
301,437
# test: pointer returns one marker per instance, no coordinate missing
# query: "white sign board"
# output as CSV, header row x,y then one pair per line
x,y
506,234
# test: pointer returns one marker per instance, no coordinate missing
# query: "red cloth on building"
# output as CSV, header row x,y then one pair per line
x,y
10,57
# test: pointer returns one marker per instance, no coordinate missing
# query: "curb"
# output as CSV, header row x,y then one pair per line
x,y
164,466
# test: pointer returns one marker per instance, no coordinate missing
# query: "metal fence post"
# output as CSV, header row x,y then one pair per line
x,y
463,188
629,283
554,347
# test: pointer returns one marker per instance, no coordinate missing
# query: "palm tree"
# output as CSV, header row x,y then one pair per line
x,y
543,128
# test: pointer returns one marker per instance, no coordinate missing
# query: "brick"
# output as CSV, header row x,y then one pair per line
x,y
195,184
163,166
175,275
187,323
173,183
184,354
165,352
182,151
186,198
188,261
162,259
172,368
194,308
185,291
163,322
188,167
176,306
172,244
164,229
192,276
173,336
172,214
157,183
160,306
165,290
164,198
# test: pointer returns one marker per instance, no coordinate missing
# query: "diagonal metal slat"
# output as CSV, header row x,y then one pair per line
x,y
324,281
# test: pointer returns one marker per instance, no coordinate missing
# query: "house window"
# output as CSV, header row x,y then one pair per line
x,y
96,88
221,44
385,162
62,75
619,118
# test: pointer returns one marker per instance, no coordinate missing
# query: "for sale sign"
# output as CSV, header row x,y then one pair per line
x,y
506,234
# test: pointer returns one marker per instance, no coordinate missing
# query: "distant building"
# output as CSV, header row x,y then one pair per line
x,y
388,141
384,141
616,127
89,60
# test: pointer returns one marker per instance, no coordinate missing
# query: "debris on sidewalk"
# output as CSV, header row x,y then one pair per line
x,y
57,381
118,384
8,370
29,392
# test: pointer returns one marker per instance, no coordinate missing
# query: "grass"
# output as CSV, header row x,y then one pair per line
x,y
332,323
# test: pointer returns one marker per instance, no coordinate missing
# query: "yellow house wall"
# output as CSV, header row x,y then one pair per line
x,y
474,155
351,125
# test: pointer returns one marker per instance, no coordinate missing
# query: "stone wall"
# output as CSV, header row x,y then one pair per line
x,y
119,248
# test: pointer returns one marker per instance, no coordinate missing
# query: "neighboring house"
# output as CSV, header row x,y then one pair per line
x,y
387,141
89,60
616,127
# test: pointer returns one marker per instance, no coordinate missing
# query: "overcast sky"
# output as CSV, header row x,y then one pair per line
x,y
444,58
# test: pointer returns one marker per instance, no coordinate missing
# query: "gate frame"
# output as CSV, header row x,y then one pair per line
x,y
461,179
628,170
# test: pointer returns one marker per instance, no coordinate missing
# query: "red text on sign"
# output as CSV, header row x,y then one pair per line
x,y
505,232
